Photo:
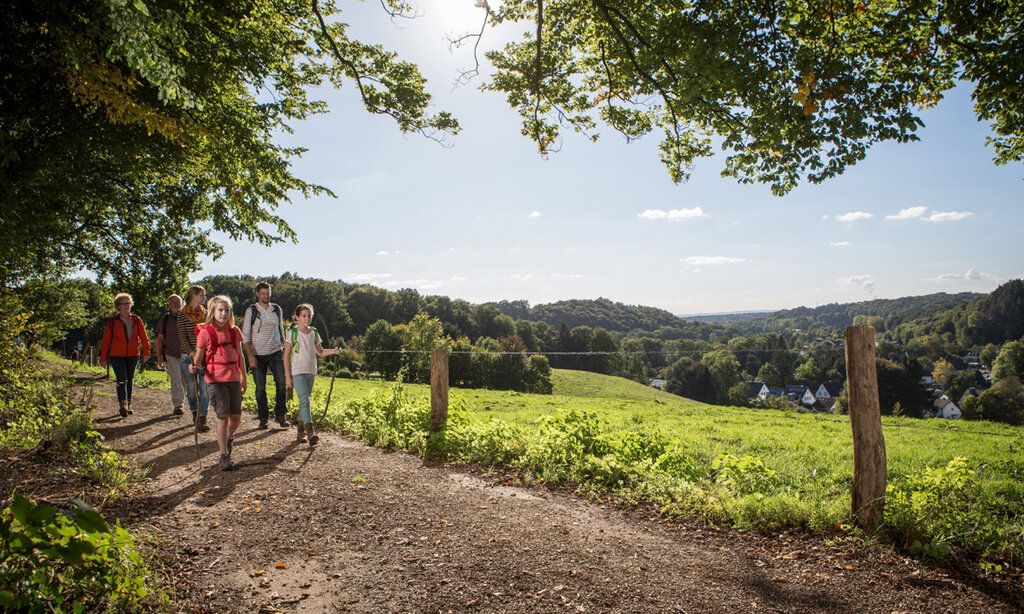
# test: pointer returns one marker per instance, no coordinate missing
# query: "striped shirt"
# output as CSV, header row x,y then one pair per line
x,y
266,334
187,328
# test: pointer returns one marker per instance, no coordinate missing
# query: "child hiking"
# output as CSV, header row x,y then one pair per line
x,y
301,348
218,350
124,338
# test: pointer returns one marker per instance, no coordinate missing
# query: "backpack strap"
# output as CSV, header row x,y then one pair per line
x,y
254,316
280,319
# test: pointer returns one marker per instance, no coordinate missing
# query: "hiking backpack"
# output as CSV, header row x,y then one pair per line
x,y
255,315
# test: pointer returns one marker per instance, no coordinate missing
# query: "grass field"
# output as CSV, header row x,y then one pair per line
x,y
956,488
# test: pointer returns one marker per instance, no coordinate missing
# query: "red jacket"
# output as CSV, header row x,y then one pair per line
x,y
116,343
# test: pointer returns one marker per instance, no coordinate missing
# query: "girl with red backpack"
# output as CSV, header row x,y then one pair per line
x,y
218,349
124,336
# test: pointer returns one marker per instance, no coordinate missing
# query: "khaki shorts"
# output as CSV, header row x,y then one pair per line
x,y
225,398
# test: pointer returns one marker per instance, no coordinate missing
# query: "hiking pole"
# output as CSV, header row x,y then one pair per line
x,y
334,375
195,422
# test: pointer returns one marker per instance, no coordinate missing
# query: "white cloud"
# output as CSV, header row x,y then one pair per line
x,y
855,216
673,214
523,276
566,276
711,260
534,215
383,253
457,278
949,216
910,213
840,243
969,275
825,217
368,276
861,281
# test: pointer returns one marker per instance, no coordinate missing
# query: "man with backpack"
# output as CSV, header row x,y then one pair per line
x,y
168,351
263,335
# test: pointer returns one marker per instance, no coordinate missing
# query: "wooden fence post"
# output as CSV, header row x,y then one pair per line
x,y
438,389
869,469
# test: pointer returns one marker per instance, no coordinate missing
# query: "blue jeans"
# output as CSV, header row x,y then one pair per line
x,y
124,373
190,387
275,364
303,383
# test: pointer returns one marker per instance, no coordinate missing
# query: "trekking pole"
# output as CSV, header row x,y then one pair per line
x,y
195,423
334,374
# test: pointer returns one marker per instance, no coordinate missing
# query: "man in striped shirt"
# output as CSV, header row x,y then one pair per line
x,y
263,335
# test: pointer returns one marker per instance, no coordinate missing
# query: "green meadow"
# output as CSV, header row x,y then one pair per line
x,y
956,488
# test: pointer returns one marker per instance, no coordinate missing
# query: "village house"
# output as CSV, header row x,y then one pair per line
x,y
757,391
945,408
828,390
800,393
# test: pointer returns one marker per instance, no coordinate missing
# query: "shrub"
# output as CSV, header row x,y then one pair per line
x,y
68,559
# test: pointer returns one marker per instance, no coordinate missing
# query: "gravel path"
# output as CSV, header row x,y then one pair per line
x,y
349,528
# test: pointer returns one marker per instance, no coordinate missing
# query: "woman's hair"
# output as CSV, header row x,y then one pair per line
x,y
213,303
122,297
194,290
302,307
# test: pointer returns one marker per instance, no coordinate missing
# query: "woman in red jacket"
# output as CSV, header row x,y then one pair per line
x,y
123,338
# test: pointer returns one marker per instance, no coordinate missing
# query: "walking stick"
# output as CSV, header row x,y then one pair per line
x,y
195,423
334,374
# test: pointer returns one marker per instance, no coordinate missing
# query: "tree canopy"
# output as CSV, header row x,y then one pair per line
x,y
133,129
791,90
152,122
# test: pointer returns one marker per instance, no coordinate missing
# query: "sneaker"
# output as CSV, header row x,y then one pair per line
x,y
122,408
313,437
130,412
300,435
225,463
262,425
203,428
283,422
177,412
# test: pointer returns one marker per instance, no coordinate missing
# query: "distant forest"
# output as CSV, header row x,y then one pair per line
x,y
702,359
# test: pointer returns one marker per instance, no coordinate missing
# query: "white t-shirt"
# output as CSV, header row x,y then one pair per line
x,y
304,353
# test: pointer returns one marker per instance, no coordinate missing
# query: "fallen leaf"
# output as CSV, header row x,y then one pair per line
x,y
280,565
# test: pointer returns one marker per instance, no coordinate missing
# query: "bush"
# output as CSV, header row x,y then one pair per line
x,y
72,560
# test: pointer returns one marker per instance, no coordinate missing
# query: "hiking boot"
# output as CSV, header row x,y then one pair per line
x,y
262,425
177,412
283,422
202,425
225,463
122,408
300,435
130,412
231,445
313,437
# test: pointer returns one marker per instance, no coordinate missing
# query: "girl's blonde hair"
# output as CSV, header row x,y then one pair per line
x,y
302,307
121,296
194,290
213,302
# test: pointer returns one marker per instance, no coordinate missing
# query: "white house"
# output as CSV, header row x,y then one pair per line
x,y
828,390
757,391
798,393
655,382
945,408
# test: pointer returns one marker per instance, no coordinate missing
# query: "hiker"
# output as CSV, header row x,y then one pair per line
x,y
191,316
219,344
168,351
124,336
263,332
301,347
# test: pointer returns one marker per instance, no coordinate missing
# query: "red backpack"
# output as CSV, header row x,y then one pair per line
x,y
212,332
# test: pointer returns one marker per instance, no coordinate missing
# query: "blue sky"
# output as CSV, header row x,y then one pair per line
x,y
490,219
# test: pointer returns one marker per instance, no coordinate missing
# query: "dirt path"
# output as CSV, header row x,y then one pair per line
x,y
349,528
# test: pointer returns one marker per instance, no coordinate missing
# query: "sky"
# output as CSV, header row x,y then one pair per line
x,y
489,219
